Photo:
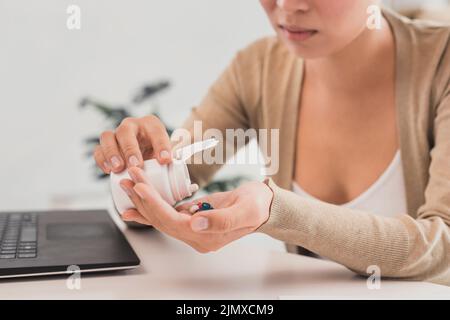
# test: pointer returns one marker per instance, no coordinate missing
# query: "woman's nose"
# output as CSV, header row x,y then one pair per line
x,y
293,5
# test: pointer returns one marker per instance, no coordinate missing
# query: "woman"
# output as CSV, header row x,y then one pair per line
x,y
364,119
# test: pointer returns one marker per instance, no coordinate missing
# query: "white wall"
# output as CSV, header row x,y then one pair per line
x,y
414,4
45,69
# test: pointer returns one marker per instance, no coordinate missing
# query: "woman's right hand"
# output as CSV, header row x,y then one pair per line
x,y
133,141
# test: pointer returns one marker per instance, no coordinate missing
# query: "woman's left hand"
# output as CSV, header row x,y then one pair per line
x,y
236,213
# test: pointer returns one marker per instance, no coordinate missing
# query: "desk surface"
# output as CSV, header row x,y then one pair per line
x,y
172,270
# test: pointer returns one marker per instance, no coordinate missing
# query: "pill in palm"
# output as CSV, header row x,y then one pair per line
x,y
200,206
206,206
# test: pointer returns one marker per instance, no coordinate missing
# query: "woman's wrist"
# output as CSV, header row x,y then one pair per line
x,y
267,194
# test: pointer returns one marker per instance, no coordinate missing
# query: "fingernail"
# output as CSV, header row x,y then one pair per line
x,y
133,161
115,162
133,176
164,154
194,208
199,224
106,166
127,191
138,193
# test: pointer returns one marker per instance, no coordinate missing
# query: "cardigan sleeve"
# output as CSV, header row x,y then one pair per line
x,y
402,247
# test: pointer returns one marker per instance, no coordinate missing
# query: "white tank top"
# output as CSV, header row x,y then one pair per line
x,y
385,197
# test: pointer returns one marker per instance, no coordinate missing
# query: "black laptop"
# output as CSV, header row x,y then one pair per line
x,y
49,242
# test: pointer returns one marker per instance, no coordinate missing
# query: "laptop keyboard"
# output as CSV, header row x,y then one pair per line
x,y
18,235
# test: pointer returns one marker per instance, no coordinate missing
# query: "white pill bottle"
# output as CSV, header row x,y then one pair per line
x,y
172,181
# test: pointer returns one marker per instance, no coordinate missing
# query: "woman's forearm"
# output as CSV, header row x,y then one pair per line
x,y
401,247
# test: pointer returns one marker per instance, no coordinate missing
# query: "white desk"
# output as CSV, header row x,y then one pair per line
x,y
172,270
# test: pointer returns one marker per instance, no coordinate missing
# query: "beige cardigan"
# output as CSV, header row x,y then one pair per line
x,y
260,89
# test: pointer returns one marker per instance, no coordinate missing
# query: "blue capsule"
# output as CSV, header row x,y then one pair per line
x,y
205,206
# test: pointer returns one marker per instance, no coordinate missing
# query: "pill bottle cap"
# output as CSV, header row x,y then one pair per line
x,y
172,181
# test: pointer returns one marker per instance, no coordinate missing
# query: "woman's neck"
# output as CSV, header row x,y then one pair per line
x,y
360,66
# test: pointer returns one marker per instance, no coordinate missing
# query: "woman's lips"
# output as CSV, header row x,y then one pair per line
x,y
297,34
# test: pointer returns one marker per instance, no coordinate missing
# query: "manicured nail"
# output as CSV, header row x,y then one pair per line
x,y
164,154
133,161
115,162
199,224
139,193
133,176
127,191
106,166
194,208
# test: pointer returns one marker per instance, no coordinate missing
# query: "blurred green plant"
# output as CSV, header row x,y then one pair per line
x,y
114,114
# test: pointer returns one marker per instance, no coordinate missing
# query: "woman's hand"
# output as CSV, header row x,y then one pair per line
x,y
134,140
236,213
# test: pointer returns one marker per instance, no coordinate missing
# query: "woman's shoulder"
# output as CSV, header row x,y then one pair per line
x,y
263,52
267,57
431,42
418,27
260,64
429,35
427,28
425,46
422,37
